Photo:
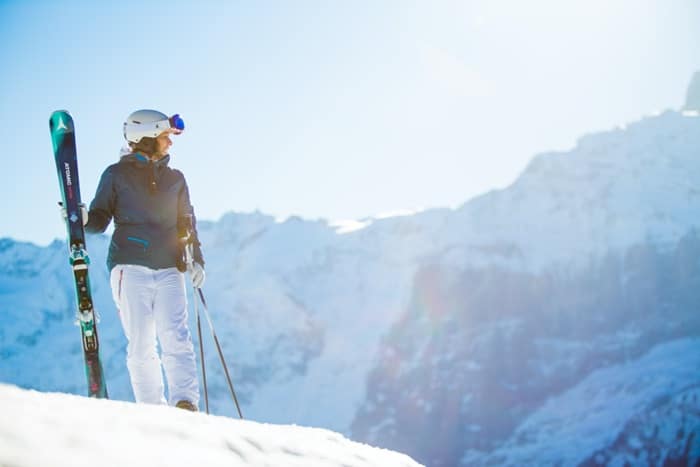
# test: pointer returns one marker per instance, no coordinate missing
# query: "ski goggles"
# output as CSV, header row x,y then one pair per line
x,y
134,132
174,124
177,123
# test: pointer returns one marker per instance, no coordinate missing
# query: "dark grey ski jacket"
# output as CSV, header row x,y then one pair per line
x,y
150,204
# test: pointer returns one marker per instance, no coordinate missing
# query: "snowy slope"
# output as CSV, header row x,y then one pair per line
x,y
65,430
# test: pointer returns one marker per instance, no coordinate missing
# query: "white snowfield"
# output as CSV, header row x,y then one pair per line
x,y
54,429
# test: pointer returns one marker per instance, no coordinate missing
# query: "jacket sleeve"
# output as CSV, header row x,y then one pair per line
x,y
102,207
186,215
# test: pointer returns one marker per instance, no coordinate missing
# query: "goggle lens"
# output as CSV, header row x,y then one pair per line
x,y
177,122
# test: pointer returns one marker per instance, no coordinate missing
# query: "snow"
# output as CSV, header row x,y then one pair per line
x,y
349,225
66,430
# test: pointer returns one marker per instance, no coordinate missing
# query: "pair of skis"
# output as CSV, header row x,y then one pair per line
x,y
65,155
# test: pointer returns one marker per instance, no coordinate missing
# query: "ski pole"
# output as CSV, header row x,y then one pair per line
x,y
189,259
201,352
221,354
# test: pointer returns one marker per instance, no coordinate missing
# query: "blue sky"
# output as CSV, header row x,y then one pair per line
x,y
336,110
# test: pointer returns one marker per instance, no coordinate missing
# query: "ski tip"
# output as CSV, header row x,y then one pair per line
x,y
59,112
61,120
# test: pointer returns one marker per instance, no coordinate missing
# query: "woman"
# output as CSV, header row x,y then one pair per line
x,y
150,205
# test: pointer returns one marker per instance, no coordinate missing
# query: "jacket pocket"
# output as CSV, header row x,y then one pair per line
x,y
139,241
129,247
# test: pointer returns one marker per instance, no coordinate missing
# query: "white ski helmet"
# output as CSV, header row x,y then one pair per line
x,y
149,124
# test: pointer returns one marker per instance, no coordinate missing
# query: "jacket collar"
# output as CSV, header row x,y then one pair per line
x,y
140,159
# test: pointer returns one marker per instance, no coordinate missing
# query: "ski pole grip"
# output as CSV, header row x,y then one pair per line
x,y
189,257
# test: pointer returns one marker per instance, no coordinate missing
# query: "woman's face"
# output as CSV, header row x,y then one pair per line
x,y
163,143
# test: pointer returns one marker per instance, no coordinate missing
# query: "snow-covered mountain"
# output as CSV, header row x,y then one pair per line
x,y
65,430
455,336
588,263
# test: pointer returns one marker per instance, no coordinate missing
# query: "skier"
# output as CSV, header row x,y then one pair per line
x,y
150,205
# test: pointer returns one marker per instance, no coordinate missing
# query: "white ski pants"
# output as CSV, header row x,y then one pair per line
x,y
152,305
